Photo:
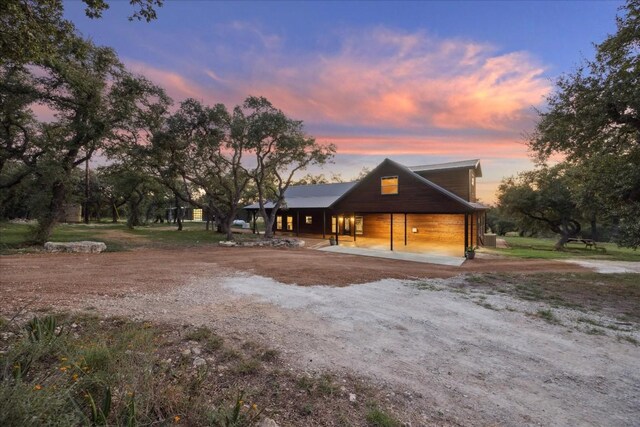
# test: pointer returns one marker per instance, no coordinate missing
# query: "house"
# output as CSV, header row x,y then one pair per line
x,y
429,208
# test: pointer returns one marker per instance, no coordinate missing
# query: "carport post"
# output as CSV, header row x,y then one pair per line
x,y
391,228
324,224
297,223
337,227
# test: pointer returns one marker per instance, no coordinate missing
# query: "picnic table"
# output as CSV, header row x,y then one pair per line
x,y
588,243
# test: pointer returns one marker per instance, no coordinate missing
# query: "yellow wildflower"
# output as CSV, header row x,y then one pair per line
x,y
63,369
75,377
254,407
37,387
176,419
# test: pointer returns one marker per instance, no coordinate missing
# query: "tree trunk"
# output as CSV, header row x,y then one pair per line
x,y
50,217
114,213
178,212
594,229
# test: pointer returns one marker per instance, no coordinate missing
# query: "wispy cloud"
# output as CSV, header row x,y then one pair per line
x,y
443,97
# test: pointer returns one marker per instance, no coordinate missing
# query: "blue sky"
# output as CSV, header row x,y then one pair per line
x,y
419,82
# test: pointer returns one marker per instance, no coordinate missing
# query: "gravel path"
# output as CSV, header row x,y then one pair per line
x,y
479,366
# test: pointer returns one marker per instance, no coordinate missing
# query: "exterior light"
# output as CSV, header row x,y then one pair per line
x,y
414,230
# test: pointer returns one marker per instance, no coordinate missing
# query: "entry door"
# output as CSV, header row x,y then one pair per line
x,y
347,226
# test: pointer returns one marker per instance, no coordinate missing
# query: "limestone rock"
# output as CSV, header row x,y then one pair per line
x,y
267,422
85,247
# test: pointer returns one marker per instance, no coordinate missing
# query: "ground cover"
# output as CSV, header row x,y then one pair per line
x,y
61,369
543,248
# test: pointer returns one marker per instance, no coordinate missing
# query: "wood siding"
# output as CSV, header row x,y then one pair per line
x,y
458,181
413,196
439,229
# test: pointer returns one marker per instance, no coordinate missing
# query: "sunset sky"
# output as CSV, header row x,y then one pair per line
x,y
418,82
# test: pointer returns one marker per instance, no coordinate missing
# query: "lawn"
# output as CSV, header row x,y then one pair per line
x,y
117,237
531,247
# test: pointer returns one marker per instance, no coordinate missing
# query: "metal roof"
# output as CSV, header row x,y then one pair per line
x,y
475,164
311,196
325,195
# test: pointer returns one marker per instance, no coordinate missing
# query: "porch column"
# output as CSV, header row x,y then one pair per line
x,y
391,229
473,218
337,228
297,223
324,224
466,231
405,229
353,226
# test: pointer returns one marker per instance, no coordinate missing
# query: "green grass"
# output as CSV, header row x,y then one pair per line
x,y
378,418
117,237
543,248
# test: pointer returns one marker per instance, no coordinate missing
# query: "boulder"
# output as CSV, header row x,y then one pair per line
x,y
85,247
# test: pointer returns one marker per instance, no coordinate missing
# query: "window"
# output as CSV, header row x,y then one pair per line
x,y
308,219
359,225
334,224
289,223
389,185
278,223
197,214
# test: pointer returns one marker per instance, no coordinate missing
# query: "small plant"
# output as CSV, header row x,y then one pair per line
x,y
236,416
269,355
628,339
200,334
306,410
100,414
548,316
44,329
470,252
378,418
247,367
213,343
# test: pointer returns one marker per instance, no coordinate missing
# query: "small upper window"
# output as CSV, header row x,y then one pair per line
x,y
389,185
308,219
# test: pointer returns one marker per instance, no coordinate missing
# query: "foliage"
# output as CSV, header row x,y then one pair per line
x,y
280,148
543,196
199,151
593,120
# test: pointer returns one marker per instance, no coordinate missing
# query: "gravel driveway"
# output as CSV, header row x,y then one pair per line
x,y
477,365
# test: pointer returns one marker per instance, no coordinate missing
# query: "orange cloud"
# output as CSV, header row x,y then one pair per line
x,y
505,148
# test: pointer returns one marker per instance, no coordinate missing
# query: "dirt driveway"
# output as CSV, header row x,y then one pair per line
x,y
480,359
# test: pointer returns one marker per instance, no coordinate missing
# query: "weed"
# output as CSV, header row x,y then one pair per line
x,y
200,334
306,410
589,321
629,339
326,385
548,316
246,367
269,355
379,418
305,383
595,331
213,343
229,354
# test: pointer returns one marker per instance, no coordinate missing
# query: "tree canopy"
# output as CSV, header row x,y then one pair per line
x,y
593,121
